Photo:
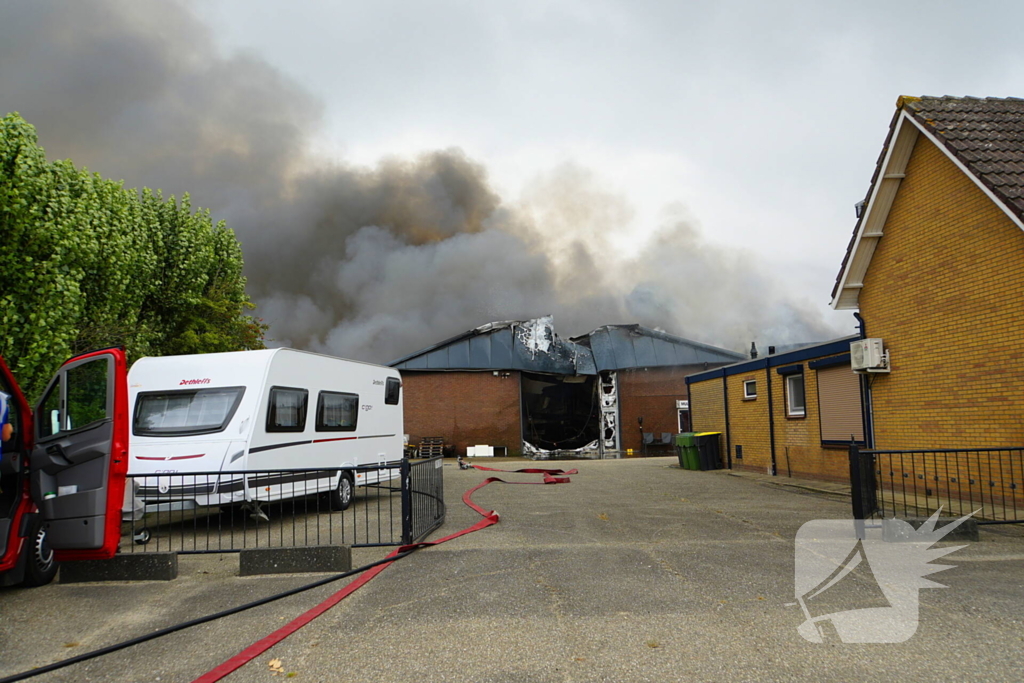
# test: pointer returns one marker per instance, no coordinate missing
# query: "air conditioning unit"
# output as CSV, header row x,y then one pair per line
x,y
868,355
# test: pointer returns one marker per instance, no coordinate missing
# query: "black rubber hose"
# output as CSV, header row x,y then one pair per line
x,y
200,620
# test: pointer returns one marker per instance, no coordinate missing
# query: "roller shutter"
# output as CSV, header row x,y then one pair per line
x,y
839,404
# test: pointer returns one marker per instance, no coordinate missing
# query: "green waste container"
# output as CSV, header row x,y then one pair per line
x,y
691,458
684,441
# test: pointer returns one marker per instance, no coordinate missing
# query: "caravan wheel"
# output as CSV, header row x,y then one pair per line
x,y
341,497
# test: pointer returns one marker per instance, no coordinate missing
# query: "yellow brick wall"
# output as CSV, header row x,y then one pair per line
x,y
707,407
798,449
748,422
945,291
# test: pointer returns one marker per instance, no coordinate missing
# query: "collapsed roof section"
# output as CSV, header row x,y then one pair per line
x,y
533,346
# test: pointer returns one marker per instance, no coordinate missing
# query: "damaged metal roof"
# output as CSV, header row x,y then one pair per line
x,y
619,347
533,346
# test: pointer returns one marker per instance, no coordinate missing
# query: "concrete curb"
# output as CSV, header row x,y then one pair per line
x,y
329,558
129,567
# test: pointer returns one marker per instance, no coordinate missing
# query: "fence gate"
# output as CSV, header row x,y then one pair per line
x,y
394,503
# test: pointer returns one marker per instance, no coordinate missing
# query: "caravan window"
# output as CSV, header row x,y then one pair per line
x,y
392,391
286,411
185,412
336,412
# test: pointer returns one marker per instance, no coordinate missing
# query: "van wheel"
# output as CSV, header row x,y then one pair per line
x,y
41,567
341,497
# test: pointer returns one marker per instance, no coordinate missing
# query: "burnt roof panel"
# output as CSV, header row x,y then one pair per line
x,y
602,349
643,351
501,350
533,346
458,354
480,352
666,353
416,363
438,359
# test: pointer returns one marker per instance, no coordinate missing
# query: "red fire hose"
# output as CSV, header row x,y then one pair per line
x,y
489,518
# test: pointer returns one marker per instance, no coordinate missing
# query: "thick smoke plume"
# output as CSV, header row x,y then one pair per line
x,y
368,263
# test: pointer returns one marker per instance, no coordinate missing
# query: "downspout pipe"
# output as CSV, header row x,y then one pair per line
x,y
771,415
728,428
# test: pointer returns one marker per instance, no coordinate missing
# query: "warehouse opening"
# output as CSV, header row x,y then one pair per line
x,y
560,412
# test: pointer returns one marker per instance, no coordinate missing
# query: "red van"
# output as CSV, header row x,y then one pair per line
x,y
62,472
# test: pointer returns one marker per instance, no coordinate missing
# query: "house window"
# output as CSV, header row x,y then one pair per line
x,y
337,412
749,389
795,395
286,411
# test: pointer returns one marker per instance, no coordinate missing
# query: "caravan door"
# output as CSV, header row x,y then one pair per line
x,y
80,457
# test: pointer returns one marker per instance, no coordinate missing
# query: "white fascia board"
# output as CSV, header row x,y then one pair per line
x,y
893,167
970,174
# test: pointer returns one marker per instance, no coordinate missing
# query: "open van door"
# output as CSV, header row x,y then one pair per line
x,y
80,457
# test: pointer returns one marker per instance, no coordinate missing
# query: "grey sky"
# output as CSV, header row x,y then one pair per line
x,y
765,119
691,166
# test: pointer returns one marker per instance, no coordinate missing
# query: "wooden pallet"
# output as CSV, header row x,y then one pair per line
x,y
431,447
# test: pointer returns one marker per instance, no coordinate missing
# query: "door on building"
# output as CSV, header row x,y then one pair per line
x,y
683,408
684,421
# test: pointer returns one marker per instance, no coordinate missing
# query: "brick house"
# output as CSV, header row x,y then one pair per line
x,y
792,413
519,387
935,269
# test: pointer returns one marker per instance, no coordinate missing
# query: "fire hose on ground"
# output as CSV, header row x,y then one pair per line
x,y
367,573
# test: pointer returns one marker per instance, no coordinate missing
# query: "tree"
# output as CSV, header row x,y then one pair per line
x,y
89,264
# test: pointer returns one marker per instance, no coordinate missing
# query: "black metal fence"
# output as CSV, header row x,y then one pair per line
x,y
422,498
394,503
986,481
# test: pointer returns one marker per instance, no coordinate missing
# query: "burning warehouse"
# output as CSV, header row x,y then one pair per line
x,y
518,387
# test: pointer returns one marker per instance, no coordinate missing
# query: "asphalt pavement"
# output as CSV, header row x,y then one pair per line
x,y
634,571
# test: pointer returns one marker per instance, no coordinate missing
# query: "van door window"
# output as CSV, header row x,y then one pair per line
x,y
286,411
186,412
87,395
48,418
336,412
392,391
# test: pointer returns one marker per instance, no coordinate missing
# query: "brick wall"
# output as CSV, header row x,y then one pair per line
x,y
466,408
798,448
945,291
707,406
652,393
748,422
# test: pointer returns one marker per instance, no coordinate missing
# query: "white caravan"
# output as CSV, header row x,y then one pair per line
x,y
268,410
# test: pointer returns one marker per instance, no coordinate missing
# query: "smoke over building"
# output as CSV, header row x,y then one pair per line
x,y
362,262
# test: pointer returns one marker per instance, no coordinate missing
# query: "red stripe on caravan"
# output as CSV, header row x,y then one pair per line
x,y
341,438
171,457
